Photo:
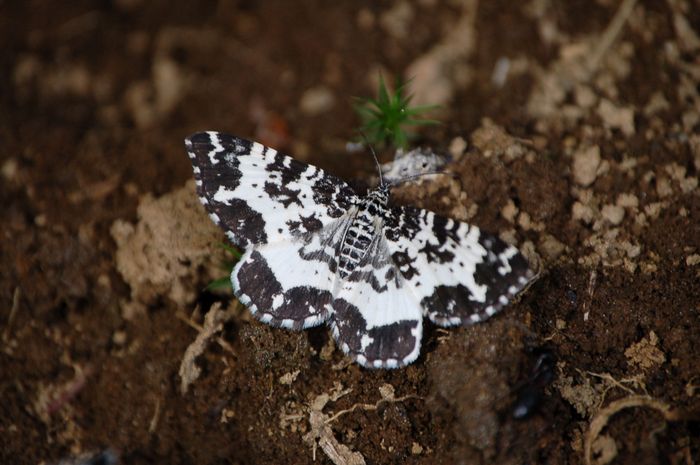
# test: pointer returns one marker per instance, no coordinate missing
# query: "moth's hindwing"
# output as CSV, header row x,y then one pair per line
x,y
376,319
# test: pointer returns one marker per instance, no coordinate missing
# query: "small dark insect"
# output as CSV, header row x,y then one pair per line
x,y
531,390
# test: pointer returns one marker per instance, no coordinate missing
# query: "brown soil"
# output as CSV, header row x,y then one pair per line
x,y
584,151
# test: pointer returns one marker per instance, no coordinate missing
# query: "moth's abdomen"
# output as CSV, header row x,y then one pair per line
x,y
361,232
357,241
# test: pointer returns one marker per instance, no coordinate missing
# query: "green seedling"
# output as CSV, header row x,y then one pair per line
x,y
225,281
384,119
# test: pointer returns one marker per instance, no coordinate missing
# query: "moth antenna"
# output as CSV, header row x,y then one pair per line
x,y
376,160
409,178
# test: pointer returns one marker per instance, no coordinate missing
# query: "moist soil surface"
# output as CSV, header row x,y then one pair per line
x,y
572,128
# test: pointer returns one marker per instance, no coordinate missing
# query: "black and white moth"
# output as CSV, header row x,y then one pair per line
x,y
316,251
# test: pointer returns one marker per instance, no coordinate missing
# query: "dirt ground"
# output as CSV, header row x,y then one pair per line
x,y
575,133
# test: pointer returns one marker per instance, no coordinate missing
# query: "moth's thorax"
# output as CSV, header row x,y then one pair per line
x,y
362,230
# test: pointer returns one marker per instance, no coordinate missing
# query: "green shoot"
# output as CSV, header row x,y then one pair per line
x,y
384,119
225,281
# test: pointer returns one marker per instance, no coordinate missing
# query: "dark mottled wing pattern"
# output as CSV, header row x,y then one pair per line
x,y
259,195
459,274
315,252
290,283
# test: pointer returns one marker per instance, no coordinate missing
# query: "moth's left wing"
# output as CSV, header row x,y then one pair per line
x,y
260,196
460,274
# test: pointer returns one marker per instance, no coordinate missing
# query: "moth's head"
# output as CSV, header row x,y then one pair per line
x,y
380,194
384,187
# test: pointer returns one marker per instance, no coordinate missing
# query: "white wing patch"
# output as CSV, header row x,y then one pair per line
x,y
290,283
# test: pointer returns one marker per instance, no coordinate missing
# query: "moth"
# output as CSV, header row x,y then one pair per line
x,y
317,252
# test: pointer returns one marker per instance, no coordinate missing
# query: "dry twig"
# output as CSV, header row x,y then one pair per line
x,y
600,420
321,434
213,323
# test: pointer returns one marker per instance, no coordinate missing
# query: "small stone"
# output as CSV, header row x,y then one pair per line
x,y
657,102
629,265
524,221
641,220
632,250
119,338
582,212
617,117
653,210
628,164
104,281
9,169
227,415
288,378
663,187
509,237
585,166
457,147
131,189
627,201
500,71
138,98
584,95
169,83
397,20
316,100
649,267
509,211
692,260
551,248
416,449
613,213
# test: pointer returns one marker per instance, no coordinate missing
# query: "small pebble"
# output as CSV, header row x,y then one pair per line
x,y
585,166
613,213
316,100
627,201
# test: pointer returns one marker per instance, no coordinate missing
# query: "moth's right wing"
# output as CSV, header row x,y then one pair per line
x,y
459,274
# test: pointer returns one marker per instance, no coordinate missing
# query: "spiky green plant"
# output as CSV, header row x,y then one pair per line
x,y
225,281
384,119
